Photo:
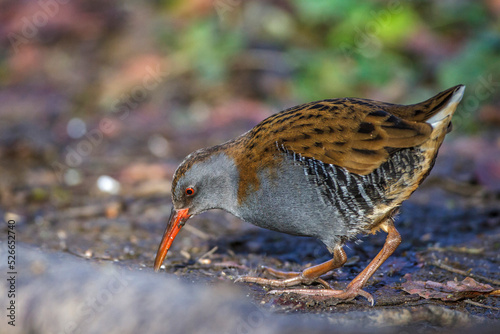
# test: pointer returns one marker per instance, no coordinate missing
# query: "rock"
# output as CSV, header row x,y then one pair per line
x,y
59,293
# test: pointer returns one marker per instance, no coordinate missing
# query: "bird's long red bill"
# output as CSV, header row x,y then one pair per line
x,y
177,220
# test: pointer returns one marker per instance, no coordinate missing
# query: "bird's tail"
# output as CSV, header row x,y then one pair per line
x,y
445,105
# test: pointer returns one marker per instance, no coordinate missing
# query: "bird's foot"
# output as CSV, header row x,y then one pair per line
x,y
285,279
349,293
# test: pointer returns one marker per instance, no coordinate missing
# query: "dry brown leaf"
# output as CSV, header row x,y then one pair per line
x,y
449,291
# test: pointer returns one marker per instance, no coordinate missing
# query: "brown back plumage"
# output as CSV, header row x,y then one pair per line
x,y
357,134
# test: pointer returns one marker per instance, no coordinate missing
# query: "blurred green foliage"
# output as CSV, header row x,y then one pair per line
x,y
342,48
337,46
281,52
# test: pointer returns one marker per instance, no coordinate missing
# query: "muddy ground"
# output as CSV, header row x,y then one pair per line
x,y
450,229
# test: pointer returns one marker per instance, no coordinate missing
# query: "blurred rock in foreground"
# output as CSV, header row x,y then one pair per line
x,y
58,293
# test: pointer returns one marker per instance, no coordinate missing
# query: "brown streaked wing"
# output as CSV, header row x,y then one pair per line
x,y
351,133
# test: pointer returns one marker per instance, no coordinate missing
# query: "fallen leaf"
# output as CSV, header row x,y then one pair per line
x,y
113,209
142,171
449,291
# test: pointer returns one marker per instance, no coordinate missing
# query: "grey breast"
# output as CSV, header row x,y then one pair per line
x,y
310,198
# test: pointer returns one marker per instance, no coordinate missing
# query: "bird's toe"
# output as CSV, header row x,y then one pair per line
x,y
344,295
282,283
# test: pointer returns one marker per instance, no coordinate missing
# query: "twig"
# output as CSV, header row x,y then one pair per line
x,y
460,188
207,254
468,301
465,273
473,251
196,232
79,253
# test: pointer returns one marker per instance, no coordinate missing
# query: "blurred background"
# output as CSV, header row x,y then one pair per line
x,y
120,91
104,98
101,100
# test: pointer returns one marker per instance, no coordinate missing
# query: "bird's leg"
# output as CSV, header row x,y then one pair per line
x,y
355,287
308,276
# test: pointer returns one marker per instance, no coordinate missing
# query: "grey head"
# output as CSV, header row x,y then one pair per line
x,y
206,179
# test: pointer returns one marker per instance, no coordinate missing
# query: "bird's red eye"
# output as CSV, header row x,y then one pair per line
x,y
190,191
